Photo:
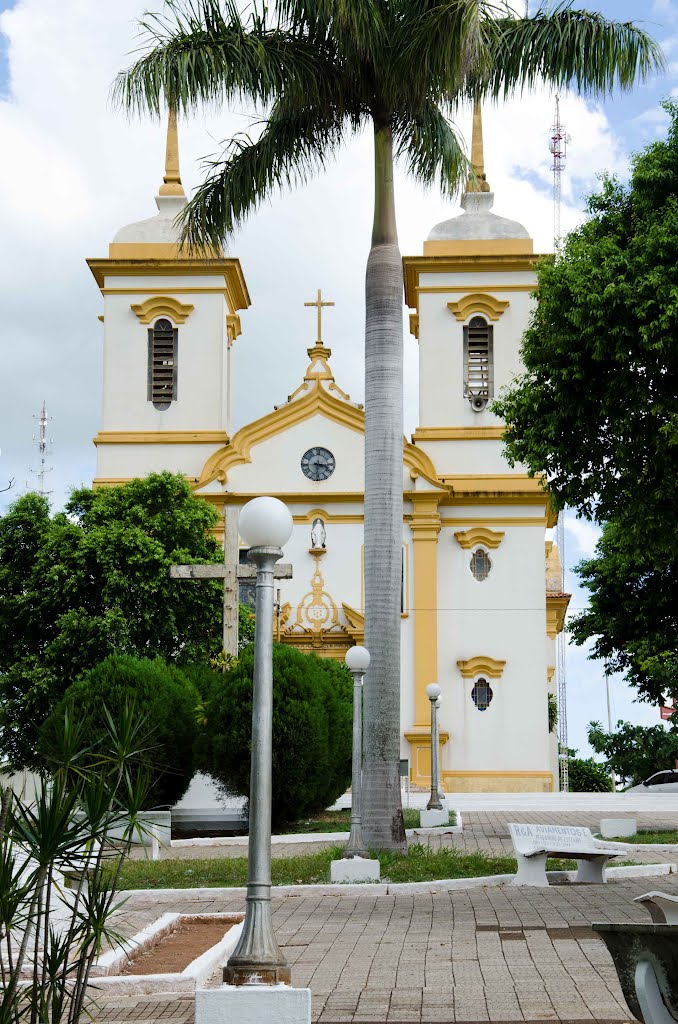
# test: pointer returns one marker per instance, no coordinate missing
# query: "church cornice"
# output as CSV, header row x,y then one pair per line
x,y
237,295
414,266
162,305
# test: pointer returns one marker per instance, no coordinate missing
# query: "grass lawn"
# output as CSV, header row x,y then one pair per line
x,y
421,865
650,836
340,821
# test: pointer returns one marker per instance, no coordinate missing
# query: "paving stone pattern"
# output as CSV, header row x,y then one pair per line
x,y
502,954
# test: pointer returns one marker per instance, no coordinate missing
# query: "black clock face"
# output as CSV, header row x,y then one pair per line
x,y
318,464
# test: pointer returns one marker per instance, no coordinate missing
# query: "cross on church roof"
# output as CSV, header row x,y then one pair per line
x,y
319,305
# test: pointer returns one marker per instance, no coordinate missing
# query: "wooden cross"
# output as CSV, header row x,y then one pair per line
x,y
319,305
230,572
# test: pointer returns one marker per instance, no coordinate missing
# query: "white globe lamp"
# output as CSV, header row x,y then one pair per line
x,y
265,523
432,691
358,659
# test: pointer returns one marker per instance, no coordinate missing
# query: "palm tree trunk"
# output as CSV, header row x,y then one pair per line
x,y
382,811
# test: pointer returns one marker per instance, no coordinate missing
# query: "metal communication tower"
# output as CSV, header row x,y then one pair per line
x,y
44,446
558,148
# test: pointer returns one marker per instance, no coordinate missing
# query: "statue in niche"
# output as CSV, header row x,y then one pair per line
x,y
318,534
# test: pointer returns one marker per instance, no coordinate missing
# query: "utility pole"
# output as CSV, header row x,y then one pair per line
x,y
609,718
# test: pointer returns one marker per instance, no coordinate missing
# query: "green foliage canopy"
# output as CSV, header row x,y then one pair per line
x,y
93,581
312,730
586,776
635,752
597,408
162,698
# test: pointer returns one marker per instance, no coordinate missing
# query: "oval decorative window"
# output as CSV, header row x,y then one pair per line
x,y
480,564
481,694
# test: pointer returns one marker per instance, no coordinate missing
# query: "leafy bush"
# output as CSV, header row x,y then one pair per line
x,y
636,751
586,776
162,697
312,730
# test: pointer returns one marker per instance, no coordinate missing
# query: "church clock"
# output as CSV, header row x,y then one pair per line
x,y
318,464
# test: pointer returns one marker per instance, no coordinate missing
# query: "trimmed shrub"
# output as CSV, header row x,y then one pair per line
x,y
312,731
586,776
161,695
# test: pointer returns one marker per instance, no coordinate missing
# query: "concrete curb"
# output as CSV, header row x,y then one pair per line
x,y
311,837
394,888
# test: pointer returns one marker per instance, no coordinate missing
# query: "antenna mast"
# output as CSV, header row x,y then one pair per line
x,y
44,446
558,149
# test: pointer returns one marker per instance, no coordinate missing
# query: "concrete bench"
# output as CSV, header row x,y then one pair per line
x,y
534,844
663,908
646,960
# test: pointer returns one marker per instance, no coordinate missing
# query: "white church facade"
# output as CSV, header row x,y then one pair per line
x,y
481,600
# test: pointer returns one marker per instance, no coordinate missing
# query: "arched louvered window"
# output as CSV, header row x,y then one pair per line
x,y
162,363
478,359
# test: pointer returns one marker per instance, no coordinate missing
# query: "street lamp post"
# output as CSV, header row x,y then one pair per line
x,y
358,661
266,525
434,803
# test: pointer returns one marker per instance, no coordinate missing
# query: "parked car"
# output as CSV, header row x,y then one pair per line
x,y
660,782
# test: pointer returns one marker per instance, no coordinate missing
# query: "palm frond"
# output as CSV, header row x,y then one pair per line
x,y
432,150
440,39
203,51
293,146
566,48
356,26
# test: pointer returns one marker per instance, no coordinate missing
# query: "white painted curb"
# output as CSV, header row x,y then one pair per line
x,y
195,974
312,837
391,888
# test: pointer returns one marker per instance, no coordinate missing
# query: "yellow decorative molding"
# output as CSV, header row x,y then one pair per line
x,y
458,434
482,665
556,610
550,672
478,302
327,517
479,535
425,528
317,611
449,288
419,739
161,437
499,521
356,624
414,325
463,263
100,317
233,327
162,305
496,483
318,400
156,264
497,782
479,247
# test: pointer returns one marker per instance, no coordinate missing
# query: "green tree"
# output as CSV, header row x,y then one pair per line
x,y
161,697
635,752
586,776
597,408
312,730
93,581
632,613
325,69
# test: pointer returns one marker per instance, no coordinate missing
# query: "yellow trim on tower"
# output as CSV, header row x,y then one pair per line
x,y
458,434
486,263
556,610
497,782
479,247
161,437
478,302
162,305
156,264
479,535
482,665
425,527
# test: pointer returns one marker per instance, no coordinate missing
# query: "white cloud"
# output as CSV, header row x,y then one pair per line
x,y
585,536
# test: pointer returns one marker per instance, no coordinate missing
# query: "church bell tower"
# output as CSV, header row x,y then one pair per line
x,y
170,320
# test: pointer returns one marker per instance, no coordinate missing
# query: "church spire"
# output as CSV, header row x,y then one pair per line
x,y
171,185
479,183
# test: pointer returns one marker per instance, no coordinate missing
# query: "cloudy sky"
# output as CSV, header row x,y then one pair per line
x,y
73,170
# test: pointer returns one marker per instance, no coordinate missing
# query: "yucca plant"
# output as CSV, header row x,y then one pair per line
x,y
325,69
63,836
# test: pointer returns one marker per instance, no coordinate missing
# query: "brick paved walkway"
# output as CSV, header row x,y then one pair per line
x,y
498,954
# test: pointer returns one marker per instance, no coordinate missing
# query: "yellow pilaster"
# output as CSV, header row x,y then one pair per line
x,y
425,527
